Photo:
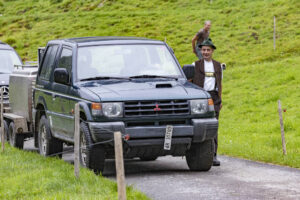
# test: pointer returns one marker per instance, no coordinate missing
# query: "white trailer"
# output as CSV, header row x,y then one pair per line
x,y
18,119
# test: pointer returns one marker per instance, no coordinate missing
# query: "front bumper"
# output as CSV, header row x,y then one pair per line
x,y
198,131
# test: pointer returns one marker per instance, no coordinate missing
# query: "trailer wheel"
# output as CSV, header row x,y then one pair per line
x,y
15,140
91,156
48,145
6,130
6,137
200,156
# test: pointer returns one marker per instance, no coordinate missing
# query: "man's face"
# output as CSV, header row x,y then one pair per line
x,y
207,52
207,26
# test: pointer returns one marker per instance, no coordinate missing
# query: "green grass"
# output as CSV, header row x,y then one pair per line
x,y
256,76
27,175
249,125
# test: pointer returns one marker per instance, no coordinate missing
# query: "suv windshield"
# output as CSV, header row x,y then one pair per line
x,y
125,61
8,59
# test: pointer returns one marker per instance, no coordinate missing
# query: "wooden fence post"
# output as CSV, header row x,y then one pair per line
x,y
76,140
282,128
2,123
120,166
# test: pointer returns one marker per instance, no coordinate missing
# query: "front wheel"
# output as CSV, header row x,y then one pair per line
x,y
200,156
48,145
91,156
15,140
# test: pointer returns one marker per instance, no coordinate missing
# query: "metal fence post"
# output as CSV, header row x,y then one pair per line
x,y
282,128
76,141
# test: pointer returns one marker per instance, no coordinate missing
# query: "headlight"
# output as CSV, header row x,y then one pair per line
x,y
112,109
201,106
107,109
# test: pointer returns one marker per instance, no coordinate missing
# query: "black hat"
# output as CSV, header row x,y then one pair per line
x,y
208,42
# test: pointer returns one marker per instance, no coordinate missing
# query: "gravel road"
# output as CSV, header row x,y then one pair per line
x,y
169,178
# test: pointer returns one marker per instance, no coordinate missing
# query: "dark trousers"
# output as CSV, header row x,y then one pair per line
x,y
217,105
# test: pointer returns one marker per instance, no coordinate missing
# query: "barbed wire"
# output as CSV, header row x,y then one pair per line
x,y
72,150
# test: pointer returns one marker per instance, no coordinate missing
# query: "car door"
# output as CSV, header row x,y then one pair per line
x,y
43,89
63,119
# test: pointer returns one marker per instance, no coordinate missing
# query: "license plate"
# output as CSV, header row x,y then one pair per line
x,y
168,137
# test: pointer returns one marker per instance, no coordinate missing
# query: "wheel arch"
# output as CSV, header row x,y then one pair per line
x,y
40,111
85,113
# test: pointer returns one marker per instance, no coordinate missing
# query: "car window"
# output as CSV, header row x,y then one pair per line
x,y
48,62
65,60
8,59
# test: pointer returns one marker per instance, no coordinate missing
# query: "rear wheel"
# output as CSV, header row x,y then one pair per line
x,y
91,156
15,140
200,156
48,145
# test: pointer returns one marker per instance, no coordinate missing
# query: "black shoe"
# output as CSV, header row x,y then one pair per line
x,y
216,162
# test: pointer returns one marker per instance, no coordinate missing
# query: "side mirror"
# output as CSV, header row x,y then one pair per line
x,y
61,75
189,71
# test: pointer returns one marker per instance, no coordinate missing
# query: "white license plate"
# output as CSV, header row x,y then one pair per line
x,y
168,137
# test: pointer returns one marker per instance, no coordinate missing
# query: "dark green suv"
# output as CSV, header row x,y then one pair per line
x,y
132,85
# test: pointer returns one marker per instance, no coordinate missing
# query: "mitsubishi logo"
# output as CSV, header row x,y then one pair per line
x,y
157,108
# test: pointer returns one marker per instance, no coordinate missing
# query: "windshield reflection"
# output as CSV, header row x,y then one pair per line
x,y
125,61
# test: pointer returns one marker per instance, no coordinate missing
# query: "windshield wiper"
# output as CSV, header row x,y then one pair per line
x,y
103,78
152,76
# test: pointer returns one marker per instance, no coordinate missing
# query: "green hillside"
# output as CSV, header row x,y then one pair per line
x,y
256,76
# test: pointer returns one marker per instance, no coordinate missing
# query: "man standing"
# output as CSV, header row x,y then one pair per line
x,y
208,75
202,35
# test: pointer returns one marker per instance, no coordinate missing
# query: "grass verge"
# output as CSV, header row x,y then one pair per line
x,y
27,175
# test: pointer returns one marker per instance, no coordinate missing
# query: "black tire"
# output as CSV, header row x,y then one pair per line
x,y
48,145
91,156
15,140
148,158
200,156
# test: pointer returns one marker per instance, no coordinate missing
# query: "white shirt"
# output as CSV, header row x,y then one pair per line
x,y
209,82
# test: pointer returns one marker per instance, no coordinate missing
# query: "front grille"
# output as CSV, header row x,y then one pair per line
x,y
156,108
158,123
